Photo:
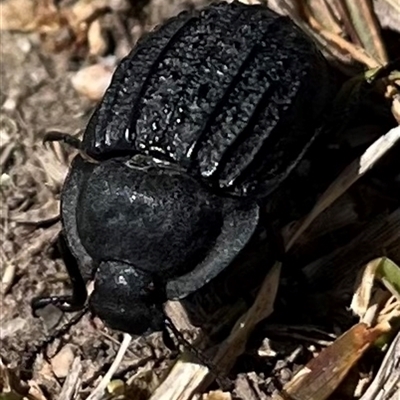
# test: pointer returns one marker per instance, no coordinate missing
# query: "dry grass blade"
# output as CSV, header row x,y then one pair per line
x,y
394,3
325,11
366,25
386,385
381,269
356,52
322,375
346,20
361,302
72,382
8,129
98,392
348,177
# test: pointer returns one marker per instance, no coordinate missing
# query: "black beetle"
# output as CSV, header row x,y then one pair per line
x,y
203,120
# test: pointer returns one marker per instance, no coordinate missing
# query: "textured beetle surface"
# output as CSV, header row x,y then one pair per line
x,y
203,119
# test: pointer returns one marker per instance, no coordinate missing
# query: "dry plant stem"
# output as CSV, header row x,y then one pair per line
x,y
389,312
98,392
357,53
391,306
72,382
348,177
365,22
344,15
326,10
386,385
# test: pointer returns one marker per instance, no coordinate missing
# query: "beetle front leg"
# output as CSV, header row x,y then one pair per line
x,y
73,302
74,142
55,136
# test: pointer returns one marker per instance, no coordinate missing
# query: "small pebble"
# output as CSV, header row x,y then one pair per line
x,y
62,361
92,81
97,43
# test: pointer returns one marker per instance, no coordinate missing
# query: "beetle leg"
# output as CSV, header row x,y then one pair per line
x,y
74,142
73,302
167,339
55,136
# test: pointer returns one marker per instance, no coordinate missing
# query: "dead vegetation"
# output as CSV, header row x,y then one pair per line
x,y
57,58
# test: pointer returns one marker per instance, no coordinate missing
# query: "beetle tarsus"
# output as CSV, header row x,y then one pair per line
x,y
64,303
55,136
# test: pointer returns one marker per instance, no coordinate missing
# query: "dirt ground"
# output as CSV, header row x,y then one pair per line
x,y
36,96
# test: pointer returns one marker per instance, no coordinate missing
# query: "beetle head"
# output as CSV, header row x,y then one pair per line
x,y
125,298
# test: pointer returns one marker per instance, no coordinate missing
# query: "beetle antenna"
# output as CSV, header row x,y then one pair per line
x,y
35,349
218,375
